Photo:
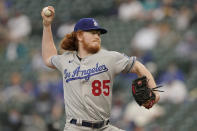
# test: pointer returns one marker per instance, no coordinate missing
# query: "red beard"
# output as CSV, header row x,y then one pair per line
x,y
91,48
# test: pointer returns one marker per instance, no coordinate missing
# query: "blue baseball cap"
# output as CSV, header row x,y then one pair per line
x,y
86,24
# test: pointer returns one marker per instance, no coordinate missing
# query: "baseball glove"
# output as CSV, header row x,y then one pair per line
x,y
142,94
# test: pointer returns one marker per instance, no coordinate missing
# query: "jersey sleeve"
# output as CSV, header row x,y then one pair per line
x,y
123,63
56,61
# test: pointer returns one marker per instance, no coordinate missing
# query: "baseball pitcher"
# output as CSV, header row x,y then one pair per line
x,y
88,73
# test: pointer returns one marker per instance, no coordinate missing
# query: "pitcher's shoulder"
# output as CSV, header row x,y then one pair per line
x,y
108,52
68,53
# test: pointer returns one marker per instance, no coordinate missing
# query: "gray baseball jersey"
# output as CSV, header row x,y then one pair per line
x,y
88,83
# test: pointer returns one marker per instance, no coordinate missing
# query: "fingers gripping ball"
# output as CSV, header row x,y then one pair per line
x,y
47,12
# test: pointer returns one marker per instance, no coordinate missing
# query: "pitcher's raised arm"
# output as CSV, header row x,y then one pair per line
x,y
48,46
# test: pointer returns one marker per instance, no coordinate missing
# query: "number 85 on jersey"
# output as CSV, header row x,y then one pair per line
x,y
99,87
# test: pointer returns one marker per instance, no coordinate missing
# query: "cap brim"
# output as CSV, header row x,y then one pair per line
x,y
102,30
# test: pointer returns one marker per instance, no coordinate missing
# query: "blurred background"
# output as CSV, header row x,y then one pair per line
x,y
162,34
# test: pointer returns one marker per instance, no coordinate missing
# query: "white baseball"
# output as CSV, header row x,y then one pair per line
x,y
47,12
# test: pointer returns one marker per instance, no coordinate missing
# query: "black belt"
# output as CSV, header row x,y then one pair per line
x,y
90,124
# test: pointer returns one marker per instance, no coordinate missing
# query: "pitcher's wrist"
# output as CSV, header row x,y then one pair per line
x,y
46,24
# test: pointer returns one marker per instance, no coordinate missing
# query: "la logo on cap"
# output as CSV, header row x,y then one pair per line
x,y
95,23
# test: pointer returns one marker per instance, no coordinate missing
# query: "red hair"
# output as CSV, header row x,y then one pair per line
x,y
70,42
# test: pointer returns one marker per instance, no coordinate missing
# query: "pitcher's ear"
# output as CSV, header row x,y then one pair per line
x,y
79,35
